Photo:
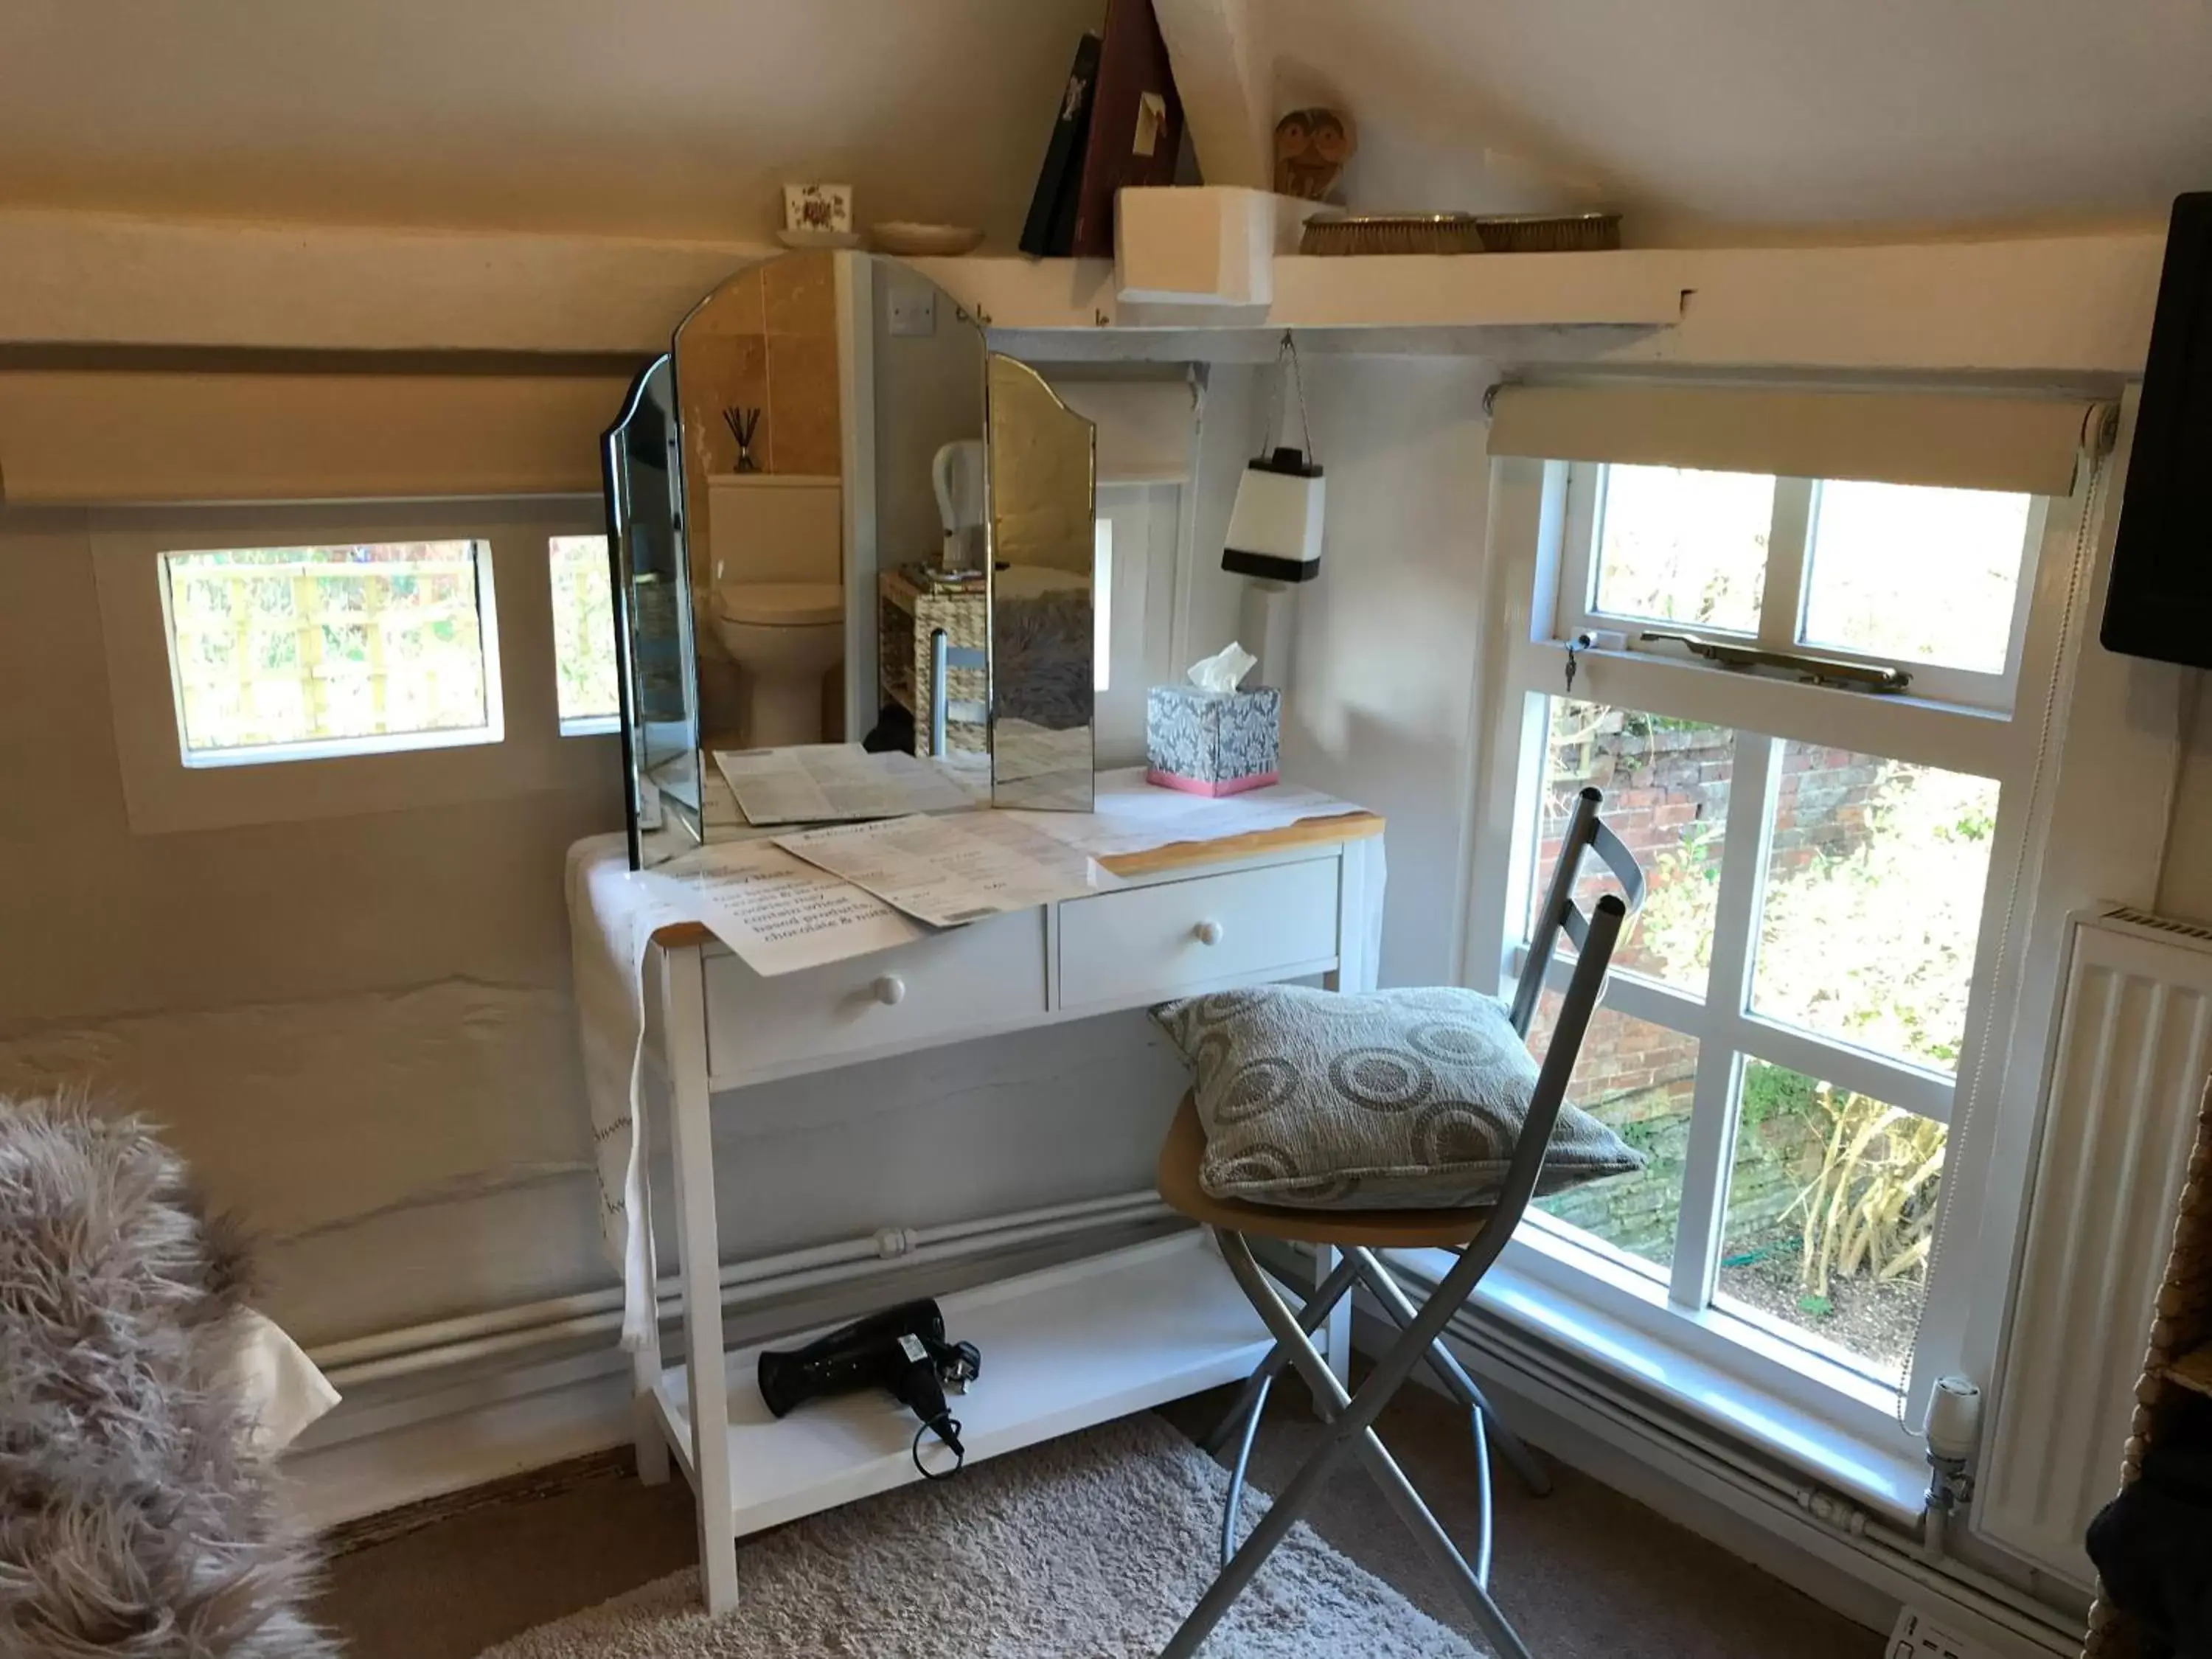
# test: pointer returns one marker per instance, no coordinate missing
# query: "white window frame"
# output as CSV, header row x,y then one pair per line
x,y
491,729
1782,615
163,794
1839,1417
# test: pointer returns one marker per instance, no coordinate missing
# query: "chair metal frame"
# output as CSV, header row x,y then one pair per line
x,y
1351,1416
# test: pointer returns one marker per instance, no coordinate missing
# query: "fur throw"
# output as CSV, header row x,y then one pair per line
x,y
134,1518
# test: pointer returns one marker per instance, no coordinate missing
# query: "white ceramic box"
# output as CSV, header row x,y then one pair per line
x,y
1202,244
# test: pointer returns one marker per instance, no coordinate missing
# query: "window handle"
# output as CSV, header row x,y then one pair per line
x,y
1808,665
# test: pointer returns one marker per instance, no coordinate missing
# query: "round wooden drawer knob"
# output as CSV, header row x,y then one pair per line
x,y
890,990
1207,932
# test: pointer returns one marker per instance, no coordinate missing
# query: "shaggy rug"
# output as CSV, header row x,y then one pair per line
x,y
1090,1547
137,1519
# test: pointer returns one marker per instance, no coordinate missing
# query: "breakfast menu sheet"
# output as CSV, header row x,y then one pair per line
x,y
948,871
778,913
835,782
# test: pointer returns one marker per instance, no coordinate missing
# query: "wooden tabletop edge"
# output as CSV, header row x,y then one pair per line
x,y
1326,830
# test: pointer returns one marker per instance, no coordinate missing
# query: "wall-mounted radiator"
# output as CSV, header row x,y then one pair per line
x,y
2135,1044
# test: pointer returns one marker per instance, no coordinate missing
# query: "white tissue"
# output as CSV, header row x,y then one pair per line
x,y
1221,671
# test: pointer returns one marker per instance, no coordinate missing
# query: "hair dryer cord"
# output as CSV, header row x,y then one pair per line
x,y
947,1427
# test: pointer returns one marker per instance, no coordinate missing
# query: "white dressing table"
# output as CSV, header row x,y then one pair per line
x,y
1064,1348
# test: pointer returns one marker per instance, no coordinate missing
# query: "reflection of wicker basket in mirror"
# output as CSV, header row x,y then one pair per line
x,y
912,608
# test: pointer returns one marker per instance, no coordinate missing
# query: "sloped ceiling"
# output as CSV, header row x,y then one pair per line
x,y
682,117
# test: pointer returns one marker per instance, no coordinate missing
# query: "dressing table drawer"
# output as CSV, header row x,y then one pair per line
x,y
1156,942
990,973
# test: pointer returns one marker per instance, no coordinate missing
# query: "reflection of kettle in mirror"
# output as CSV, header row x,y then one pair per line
x,y
957,474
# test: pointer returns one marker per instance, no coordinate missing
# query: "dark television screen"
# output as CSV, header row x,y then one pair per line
x,y
2160,602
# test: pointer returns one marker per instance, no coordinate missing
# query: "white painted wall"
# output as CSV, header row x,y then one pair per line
x,y
1382,676
358,1029
2185,887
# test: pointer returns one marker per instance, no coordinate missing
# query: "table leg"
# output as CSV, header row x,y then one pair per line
x,y
684,1011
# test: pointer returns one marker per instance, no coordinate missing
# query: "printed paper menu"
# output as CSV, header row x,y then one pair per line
x,y
779,912
948,871
827,782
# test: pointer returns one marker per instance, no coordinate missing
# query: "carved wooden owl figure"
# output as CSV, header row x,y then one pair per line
x,y
1311,147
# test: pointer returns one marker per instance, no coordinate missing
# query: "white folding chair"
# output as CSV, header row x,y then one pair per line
x,y
1477,1235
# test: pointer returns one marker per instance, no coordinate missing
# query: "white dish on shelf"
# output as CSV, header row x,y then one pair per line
x,y
925,241
804,237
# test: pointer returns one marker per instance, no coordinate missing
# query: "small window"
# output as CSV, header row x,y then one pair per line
x,y
1681,546
281,653
1921,575
584,634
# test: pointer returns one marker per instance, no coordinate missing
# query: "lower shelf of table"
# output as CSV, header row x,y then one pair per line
x,y
1063,1349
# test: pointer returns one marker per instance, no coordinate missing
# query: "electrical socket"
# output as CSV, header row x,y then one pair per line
x,y
1918,1637
913,311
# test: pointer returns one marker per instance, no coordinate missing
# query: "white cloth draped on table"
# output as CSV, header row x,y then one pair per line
x,y
611,919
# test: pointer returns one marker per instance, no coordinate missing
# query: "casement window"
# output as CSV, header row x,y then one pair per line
x,y
588,689
280,653
1803,1003
285,662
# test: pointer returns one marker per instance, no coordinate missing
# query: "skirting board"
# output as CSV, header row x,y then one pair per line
x,y
386,1453
1776,1538
448,1428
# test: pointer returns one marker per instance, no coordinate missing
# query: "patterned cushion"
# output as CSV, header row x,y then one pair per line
x,y
1409,1099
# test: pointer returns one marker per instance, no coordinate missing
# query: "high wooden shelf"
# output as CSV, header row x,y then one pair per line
x,y
2060,309
1628,288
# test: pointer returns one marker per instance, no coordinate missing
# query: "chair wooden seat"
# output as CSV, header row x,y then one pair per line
x,y
1376,1230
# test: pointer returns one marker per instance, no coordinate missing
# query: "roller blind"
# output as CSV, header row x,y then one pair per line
x,y
1144,426
101,436
2029,445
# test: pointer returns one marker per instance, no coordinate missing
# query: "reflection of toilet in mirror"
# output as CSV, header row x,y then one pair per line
x,y
778,607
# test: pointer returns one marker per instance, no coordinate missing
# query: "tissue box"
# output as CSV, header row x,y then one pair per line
x,y
1213,743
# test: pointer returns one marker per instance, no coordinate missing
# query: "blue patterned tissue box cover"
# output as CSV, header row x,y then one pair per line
x,y
1213,743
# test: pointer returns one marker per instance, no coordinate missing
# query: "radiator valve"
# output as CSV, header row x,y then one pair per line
x,y
1954,1423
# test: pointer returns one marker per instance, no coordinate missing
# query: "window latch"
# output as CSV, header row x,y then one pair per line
x,y
1813,669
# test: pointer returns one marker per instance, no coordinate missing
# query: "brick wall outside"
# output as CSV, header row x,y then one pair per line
x,y
1660,780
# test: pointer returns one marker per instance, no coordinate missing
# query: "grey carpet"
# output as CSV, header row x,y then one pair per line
x,y
1586,1573
1091,1547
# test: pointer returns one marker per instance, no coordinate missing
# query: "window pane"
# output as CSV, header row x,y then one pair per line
x,y
1666,787
293,645
1923,575
1831,1208
1683,546
584,629
1873,902
1638,1079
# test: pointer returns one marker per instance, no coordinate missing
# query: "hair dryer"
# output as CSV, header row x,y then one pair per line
x,y
901,1350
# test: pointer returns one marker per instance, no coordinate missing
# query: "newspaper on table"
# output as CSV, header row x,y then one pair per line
x,y
835,782
1132,816
778,913
950,870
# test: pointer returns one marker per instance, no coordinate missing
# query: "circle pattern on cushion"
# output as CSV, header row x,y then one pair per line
x,y
1382,1079
1452,1041
1452,1131
1257,1087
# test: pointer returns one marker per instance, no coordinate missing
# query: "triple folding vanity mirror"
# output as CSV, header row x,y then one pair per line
x,y
835,514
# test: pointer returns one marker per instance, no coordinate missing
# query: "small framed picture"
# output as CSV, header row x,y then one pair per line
x,y
817,207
